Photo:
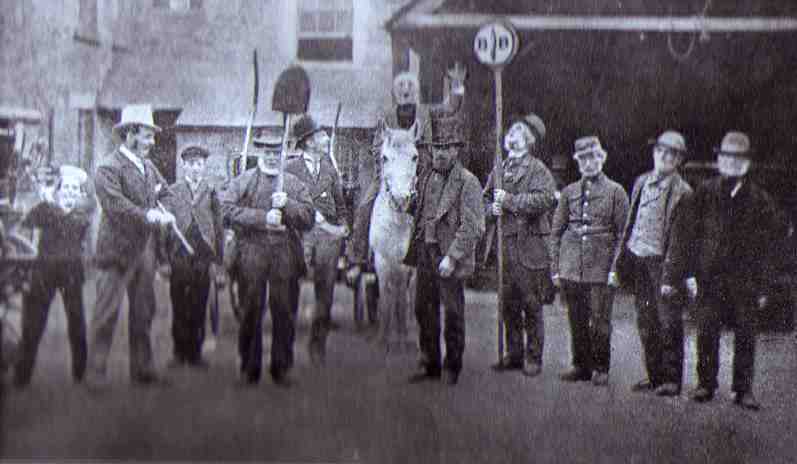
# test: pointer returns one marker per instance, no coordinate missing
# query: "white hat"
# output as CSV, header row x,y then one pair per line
x,y
67,170
140,115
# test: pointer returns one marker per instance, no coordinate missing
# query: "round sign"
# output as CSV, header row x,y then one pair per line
x,y
496,44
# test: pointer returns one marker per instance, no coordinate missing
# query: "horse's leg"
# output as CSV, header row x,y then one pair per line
x,y
383,273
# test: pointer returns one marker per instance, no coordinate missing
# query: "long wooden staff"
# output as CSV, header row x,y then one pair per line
x,y
498,178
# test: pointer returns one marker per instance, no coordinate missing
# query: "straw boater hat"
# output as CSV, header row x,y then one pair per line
x,y
589,144
269,140
671,139
735,144
69,171
136,115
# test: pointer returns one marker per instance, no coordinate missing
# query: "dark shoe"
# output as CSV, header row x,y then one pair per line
x,y
576,375
200,363
506,364
424,376
747,401
668,389
450,377
600,379
332,325
281,379
150,379
532,369
644,385
701,395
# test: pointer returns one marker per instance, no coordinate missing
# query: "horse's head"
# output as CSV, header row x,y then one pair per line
x,y
399,162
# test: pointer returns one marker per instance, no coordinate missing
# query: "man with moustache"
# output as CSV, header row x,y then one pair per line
x,y
722,249
638,261
586,228
525,203
128,186
268,224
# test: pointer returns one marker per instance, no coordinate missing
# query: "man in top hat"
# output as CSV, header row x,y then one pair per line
x,y
722,249
62,222
128,187
586,228
447,225
268,225
638,262
197,209
525,203
322,245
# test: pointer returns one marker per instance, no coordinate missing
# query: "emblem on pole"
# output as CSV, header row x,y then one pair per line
x,y
496,44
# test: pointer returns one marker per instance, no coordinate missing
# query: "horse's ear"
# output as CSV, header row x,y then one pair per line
x,y
382,129
416,130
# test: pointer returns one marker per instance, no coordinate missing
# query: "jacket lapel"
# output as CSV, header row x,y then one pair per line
x,y
450,190
520,172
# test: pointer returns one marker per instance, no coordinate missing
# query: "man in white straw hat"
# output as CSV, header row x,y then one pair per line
x,y
585,231
638,262
722,249
128,185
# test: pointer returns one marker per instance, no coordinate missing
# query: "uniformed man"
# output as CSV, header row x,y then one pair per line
x,y
195,204
268,224
525,203
638,262
448,223
322,245
586,229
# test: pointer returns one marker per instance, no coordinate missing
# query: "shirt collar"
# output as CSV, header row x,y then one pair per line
x,y
135,159
659,181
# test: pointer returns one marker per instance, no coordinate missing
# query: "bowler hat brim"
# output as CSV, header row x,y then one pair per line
x,y
680,150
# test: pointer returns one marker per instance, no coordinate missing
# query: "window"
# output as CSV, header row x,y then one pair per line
x,y
325,30
179,6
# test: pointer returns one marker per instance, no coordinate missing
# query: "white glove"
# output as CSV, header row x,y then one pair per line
x,y
499,195
154,216
274,217
319,218
496,209
446,267
691,287
279,200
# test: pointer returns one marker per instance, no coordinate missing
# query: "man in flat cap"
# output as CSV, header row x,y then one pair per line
x,y
196,206
586,228
638,262
323,243
128,187
447,225
722,249
268,224
525,202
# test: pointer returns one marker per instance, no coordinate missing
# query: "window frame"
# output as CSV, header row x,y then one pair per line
x,y
320,7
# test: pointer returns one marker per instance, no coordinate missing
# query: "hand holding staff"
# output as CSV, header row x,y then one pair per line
x,y
176,230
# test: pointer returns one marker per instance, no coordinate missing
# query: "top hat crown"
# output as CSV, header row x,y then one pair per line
x,y
136,115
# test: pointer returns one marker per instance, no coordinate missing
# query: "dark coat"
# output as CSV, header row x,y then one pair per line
x,y
528,205
459,219
326,189
125,196
677,191
245,203
716,236
586,229
204,209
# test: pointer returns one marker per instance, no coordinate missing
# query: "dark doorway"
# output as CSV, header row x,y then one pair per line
x,y
164,156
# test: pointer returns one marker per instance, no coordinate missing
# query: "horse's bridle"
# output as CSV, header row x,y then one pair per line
x,y
394,205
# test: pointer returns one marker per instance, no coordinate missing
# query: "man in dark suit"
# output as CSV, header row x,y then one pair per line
x,y
448,223
322,245
585,230
127,185
525,203
723,248
268,224
196,206
638,261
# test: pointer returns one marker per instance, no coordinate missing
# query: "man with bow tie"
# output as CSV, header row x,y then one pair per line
x,y
723,249
322,244
197,209
525,204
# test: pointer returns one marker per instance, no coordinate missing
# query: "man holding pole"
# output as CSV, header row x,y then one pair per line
x,y
448,223
525,202
127,186
323,243
268,222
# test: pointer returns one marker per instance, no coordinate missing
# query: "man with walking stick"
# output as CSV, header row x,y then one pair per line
x,y
525,202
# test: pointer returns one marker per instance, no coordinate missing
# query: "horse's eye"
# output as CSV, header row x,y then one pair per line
x,y
384,159
414,158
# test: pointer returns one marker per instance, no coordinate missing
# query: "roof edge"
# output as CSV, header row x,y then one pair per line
x,y
413,7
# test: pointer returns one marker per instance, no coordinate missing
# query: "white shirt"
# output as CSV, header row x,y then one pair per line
x,y
133,159
193,185
311,164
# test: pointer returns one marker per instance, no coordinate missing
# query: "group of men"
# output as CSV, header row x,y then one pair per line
x,y
667,244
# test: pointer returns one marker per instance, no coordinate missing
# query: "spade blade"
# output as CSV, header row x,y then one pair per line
x,y
291,91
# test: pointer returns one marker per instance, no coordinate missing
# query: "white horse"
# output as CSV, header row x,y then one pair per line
x,y
390,234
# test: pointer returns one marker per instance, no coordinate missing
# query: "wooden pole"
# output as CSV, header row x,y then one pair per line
x,y
498,184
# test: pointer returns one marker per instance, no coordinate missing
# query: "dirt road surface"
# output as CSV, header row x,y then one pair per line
x,y
359,408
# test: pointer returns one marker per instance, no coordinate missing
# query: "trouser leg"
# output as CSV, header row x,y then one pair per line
x,y
198,291
601,303
648,322
534,320
181,307
672,329
36,307
513,320
284,305
326,252
141,295
744,345
708,338
575,298
76,327
427,311
111,286
452,296
253,288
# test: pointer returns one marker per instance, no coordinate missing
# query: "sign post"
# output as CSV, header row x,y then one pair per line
x,y
495,45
